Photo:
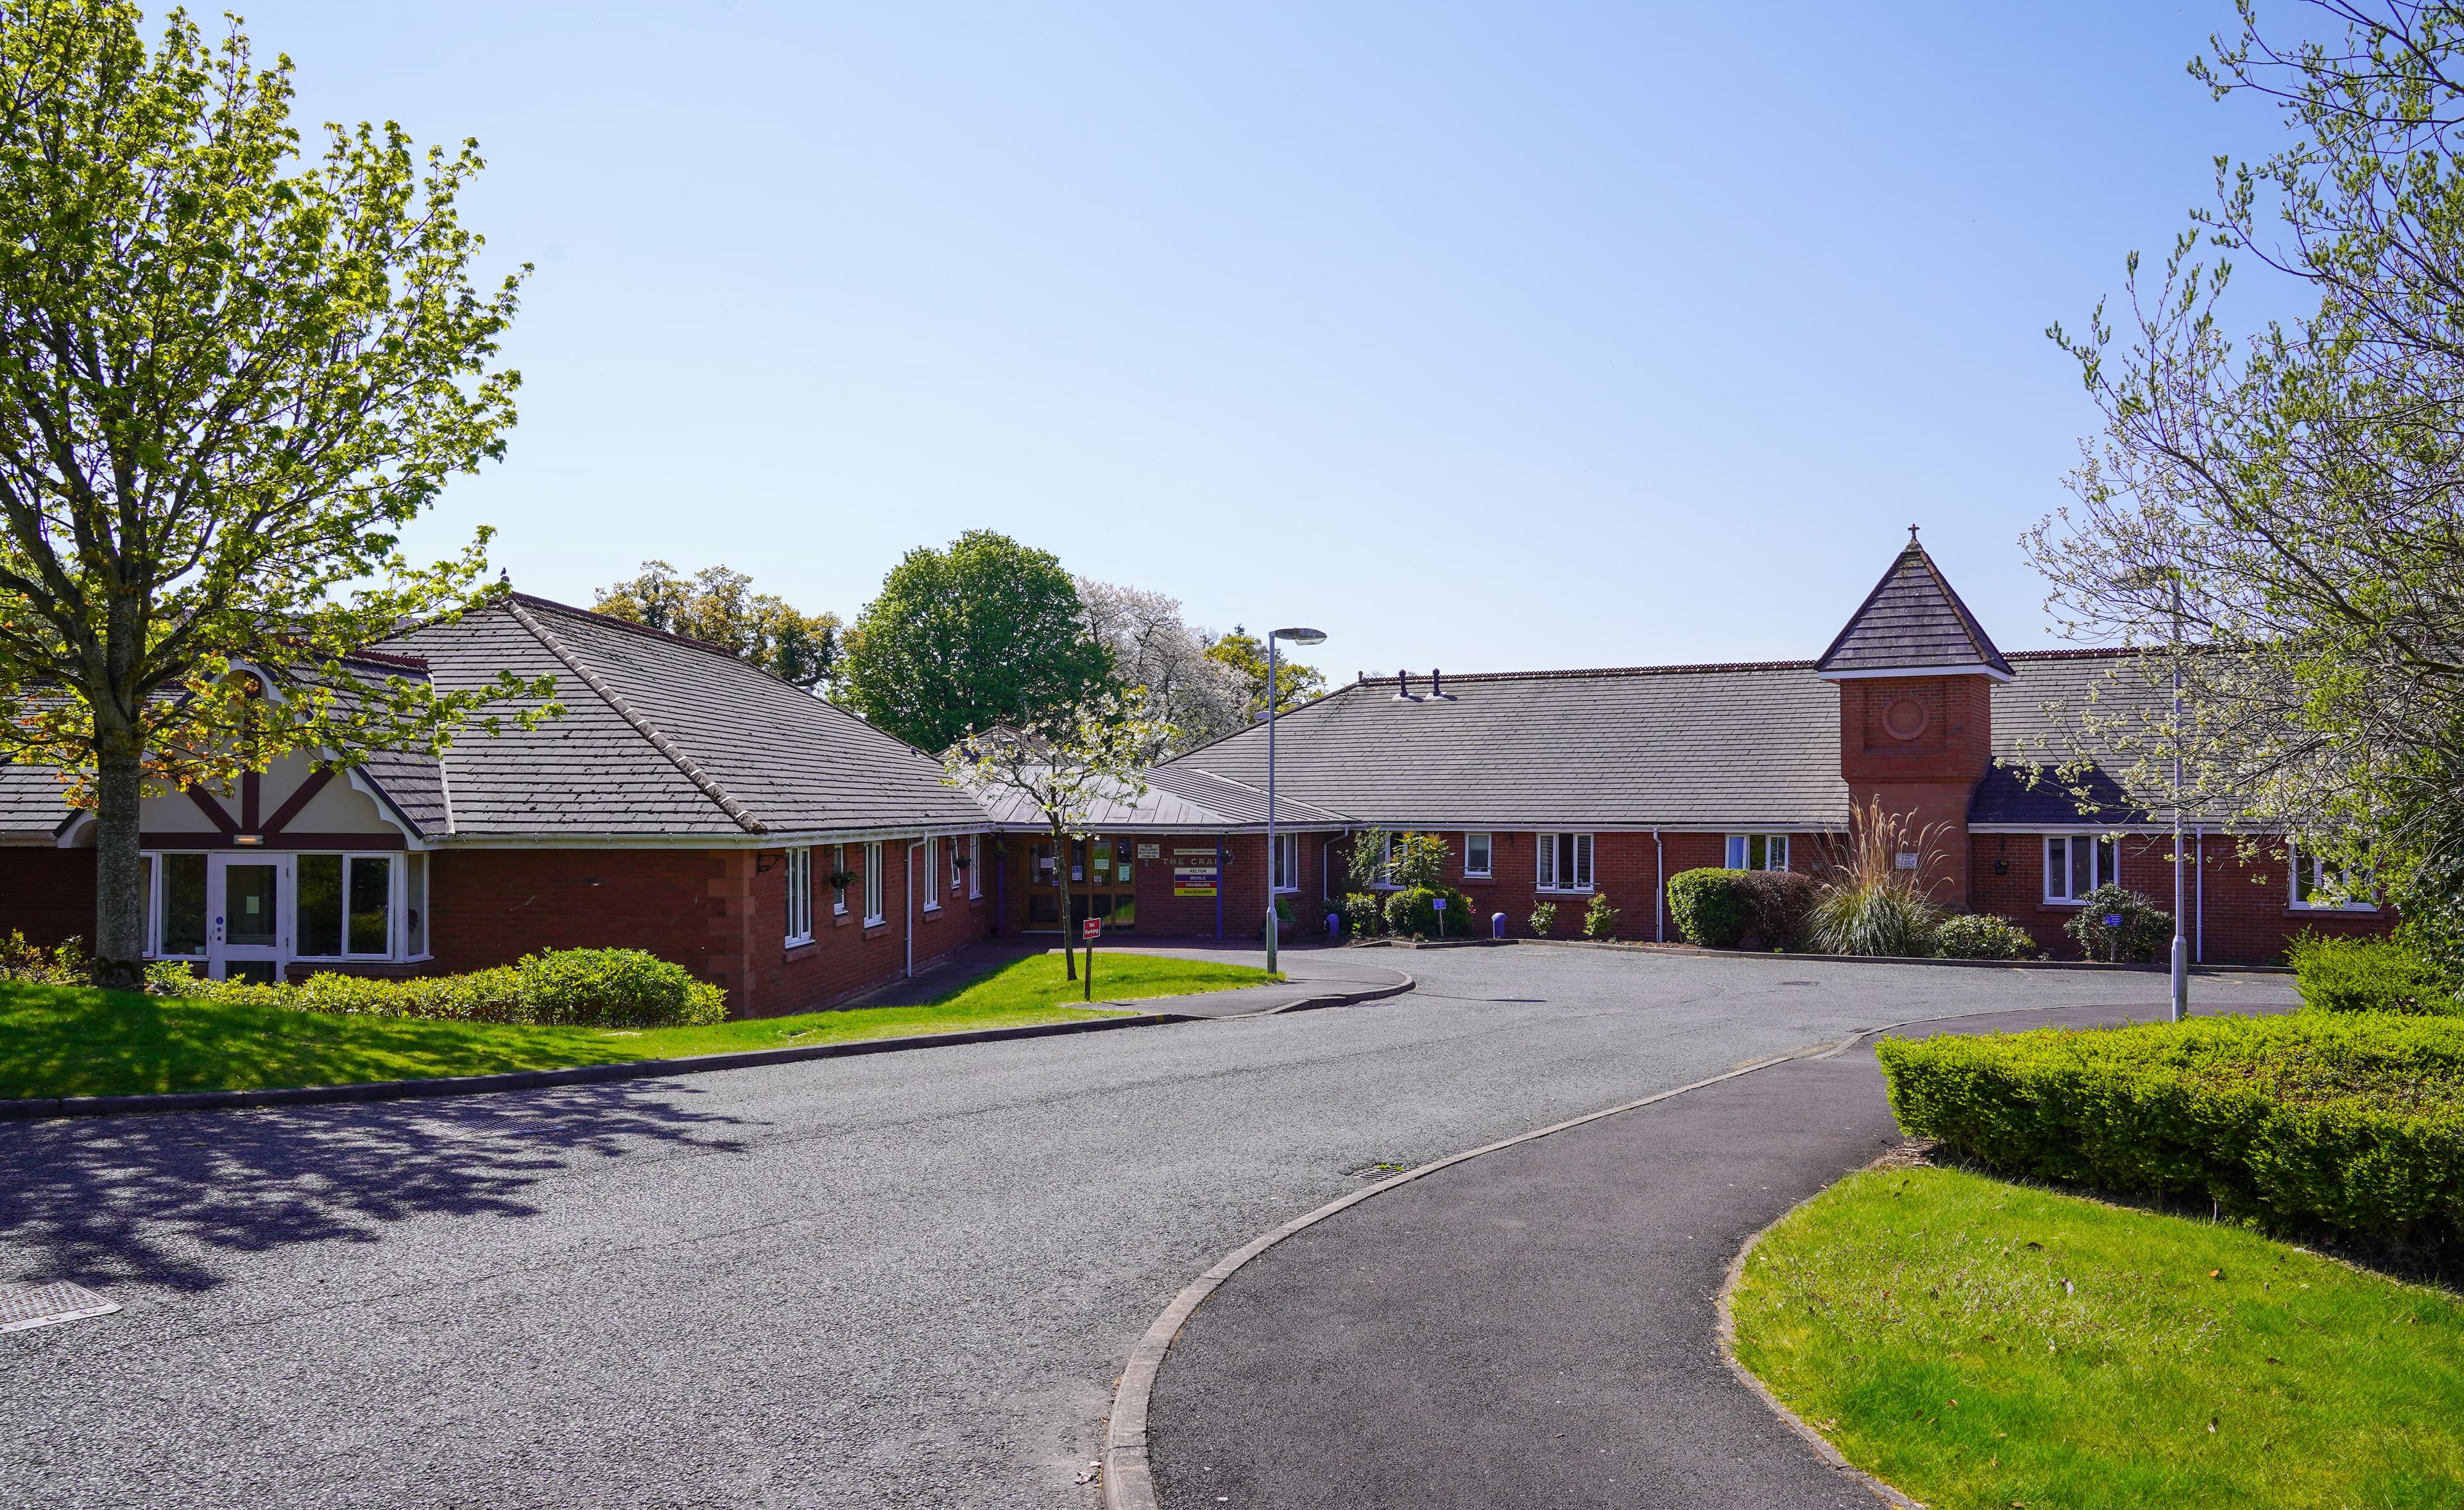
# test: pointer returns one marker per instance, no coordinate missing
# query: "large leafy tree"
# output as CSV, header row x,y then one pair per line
x,y
986,633
2287,507
228,379
720,607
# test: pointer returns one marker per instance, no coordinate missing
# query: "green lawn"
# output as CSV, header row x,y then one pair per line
x,y
1974,1342
68,1042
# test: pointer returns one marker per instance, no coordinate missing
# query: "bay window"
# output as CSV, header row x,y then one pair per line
x,y
1565,861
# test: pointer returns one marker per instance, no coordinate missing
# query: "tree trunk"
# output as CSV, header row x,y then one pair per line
x,y
1061,880
119,875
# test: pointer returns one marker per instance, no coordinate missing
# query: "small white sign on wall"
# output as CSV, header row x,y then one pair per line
x,y
1150,851
1906,861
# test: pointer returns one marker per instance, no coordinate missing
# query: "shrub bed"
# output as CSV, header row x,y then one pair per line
x,y
1778,904
2369,974
2349,1121
1364,915
1709,906
1413,913
1982,935
2146,929
611,988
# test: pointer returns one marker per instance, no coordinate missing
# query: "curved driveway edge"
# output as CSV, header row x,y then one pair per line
x,y
1129,1480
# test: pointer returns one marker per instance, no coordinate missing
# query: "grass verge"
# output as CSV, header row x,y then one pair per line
x,y
60,1041
1975,1343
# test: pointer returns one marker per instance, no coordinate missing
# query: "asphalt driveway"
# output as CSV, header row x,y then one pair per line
x,y
901,1279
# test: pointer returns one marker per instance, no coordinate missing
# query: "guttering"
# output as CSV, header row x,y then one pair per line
x,y
782,839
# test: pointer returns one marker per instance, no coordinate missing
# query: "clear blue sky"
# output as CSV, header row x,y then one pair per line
x,y
1486,338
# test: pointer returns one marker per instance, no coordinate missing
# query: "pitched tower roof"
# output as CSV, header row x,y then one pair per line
x,y
1912,623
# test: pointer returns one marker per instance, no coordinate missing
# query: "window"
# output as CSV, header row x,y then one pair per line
x,y
184,906
1758,851
2316,885
932,875
346,905
1040,862
1475,854
838,874
415,917
975,864
2077,864
1288,862
799,906
873,899
957,868
1565,861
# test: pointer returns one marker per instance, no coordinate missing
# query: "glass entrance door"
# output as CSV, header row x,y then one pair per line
x,y
249,939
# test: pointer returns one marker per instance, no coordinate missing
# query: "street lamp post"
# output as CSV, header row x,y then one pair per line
x,y
1296,637
2143,577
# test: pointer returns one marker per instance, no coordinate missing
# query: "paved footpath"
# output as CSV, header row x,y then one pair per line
x,y
895,1281
1532,1327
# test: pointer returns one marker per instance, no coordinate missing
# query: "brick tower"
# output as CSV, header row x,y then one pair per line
x,y
1916,674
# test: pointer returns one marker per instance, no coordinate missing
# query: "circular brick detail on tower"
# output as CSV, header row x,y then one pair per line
x,y
1904,718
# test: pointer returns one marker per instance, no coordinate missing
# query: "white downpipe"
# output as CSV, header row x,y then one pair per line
x,y
2202,946
1659,892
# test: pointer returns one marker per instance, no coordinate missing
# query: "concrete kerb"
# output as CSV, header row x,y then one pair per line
x,y
44,1106
1128,1477
1697,951
1724,1331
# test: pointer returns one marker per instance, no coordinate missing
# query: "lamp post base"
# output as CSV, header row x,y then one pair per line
x,y
2181,978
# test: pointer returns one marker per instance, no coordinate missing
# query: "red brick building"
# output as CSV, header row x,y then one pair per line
x,y
1561,786
686,803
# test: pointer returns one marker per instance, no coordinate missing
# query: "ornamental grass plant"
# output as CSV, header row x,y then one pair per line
x,y
1870,903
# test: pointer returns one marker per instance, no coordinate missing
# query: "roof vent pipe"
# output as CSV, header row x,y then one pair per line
x,y
1438,687
1403,688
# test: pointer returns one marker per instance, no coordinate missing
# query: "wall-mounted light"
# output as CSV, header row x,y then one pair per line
x,y
248,839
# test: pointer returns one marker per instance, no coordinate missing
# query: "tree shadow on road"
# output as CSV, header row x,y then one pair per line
x,y
161,1198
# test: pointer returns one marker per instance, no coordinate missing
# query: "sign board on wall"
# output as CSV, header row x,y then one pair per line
x,y
1150,851
1194,880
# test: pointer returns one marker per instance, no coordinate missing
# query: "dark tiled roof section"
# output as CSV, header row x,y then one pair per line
x,y
790,761
1911,621
1681,747
2040,727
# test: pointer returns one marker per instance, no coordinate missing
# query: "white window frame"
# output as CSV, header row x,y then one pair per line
x,y
2104,865
838,894
2315,870
1579,852
975,866
1286,859
874,910
1487,844
397,925
798,885
932,875
1741,851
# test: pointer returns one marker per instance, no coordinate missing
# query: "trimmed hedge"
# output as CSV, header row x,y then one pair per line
x,y
1411,914
1709,906
2369,974
2351,1122
1779,904
614,988
1982,935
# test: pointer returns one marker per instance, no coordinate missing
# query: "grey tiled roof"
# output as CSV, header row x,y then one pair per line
x,y
1670,746
30,802
2040,726
1238,802
787,760
1911,621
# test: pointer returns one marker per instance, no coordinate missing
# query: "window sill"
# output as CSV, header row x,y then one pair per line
x,y
1481,876
802,949
1566,891
2297,909
932,915
877,929
841,919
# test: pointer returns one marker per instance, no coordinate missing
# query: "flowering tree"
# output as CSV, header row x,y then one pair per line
x,y
1063,770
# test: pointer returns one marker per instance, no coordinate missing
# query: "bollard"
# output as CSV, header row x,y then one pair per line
x,y
1335,925
1496,925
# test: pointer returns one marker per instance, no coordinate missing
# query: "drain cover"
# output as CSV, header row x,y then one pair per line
x,y
47,1305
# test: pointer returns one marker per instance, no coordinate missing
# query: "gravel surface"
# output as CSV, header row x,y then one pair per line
x,y
905,1279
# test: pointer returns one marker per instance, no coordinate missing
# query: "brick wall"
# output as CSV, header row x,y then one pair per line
x,y
1919,745
46,893
2249,915
719,913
